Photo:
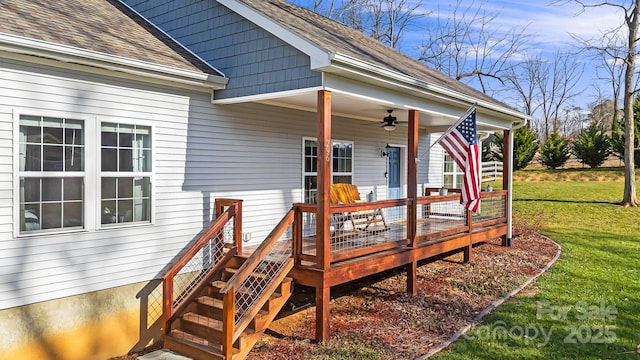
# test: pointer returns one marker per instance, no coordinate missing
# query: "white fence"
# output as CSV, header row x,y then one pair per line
x,y
491,171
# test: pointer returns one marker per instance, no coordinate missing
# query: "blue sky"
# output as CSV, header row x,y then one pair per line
x,y
548,27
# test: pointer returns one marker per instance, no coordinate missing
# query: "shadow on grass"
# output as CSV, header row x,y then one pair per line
x,y
568,201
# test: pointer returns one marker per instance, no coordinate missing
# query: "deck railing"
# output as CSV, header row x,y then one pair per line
x,y
254,282
356,229
440,215
443,215
492,209
202,260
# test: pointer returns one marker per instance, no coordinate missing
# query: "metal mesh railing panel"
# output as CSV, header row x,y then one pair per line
x,y
439,217
361,229
199,266
263,275
490,208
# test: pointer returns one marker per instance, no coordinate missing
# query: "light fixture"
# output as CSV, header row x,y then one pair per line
x,y
387,150
389,127
389,121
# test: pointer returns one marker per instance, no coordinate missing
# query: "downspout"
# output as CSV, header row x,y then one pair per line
x,y
510,186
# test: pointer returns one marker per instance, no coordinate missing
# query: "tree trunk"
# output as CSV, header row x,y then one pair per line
x,y
629,197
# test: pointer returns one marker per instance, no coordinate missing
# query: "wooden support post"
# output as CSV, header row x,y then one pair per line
x,y
323,216
412,193
323,295
412,177
467,249
467,252
507,163
323,213
412,275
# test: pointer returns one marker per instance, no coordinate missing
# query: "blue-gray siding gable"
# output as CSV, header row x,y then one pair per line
x,y
254,60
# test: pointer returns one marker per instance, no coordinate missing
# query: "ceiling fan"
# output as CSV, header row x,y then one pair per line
x,y
389,122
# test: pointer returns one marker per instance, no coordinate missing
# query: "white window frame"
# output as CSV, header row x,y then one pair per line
x,y
333,142
91,175
455,173
100,174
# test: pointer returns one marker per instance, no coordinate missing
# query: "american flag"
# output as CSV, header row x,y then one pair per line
x,y
461,143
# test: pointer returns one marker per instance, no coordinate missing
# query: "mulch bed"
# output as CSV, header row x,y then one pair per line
x,y
375,318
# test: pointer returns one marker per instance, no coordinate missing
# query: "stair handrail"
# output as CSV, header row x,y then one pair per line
x,y
233,212
233,327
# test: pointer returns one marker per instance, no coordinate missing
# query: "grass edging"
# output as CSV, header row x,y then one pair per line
x,y
480,317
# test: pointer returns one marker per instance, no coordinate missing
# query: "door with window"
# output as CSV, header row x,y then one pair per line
x,y
395,191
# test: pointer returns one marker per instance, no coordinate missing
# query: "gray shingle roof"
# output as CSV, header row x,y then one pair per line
x,y
104,26
339,39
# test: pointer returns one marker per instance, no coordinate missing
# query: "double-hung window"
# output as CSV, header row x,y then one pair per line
x,y
51,173
125,179
342,166
59,169
453,175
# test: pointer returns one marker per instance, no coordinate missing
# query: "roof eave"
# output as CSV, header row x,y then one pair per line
x,y
348,63
64,53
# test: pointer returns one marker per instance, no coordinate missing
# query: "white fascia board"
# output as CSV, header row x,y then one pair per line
x,y
409,81
319,57
265,97
70,54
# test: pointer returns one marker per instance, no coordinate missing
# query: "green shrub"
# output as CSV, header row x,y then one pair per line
x,y
617,135
525,145
592,147
555,151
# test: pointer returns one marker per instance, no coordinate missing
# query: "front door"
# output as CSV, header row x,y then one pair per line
x,y
394,173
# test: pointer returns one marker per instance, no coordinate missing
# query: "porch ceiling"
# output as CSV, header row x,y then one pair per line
x,y
355,106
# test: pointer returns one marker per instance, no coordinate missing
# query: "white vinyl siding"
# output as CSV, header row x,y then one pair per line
x,y
200,152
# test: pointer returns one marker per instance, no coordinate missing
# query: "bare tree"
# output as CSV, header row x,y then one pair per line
x,y
390,18
467,46
609,49
557,83
383,20
628,54
523,80
546,86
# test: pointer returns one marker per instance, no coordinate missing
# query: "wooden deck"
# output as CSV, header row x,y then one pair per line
x,y
441,227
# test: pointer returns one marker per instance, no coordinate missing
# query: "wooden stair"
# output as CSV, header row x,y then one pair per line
x,y
198,332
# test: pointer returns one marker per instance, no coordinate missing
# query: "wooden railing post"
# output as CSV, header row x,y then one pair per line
x,y
228,322
297,236
237,226
167,303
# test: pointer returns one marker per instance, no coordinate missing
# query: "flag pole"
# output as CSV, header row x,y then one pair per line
x,y
461,119
464,116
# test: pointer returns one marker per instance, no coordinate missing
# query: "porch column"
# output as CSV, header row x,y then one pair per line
x,y
412,194
507,174
323,216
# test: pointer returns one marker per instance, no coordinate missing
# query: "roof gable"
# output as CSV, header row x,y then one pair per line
x,y
102,26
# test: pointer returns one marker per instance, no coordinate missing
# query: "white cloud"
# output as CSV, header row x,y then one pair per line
x,y
549,26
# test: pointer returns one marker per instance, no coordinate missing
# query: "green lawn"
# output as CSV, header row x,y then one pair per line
x,y
587,306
